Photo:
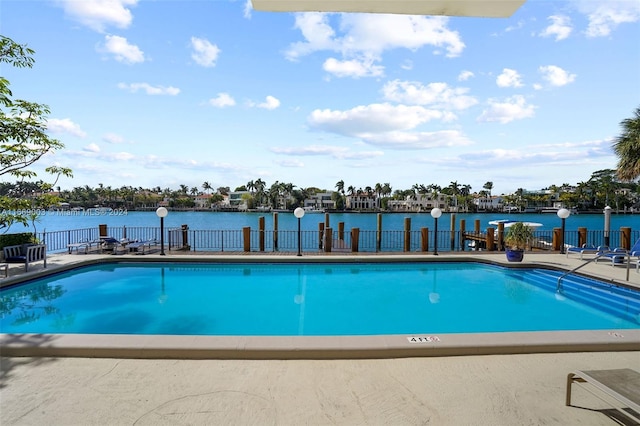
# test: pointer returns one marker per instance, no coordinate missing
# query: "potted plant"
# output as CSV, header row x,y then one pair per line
x,y
516,239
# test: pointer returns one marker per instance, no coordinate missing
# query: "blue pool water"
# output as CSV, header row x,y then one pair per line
x,y
312,299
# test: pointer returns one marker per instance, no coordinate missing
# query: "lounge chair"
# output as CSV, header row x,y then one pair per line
x,y
621,388
141,246
586,249
619,254
111,244
83,244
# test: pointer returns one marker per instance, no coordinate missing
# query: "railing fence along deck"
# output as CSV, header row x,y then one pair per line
x,y
255,240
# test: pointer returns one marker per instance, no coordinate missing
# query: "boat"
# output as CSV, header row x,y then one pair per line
x,y
572,210
509,222
308,210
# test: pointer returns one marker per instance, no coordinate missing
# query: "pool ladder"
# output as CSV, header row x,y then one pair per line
x,y
626,254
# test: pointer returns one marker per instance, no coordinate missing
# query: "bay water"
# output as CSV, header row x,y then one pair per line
x,y
198,220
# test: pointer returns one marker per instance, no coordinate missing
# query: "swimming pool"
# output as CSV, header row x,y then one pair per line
x,y
327,299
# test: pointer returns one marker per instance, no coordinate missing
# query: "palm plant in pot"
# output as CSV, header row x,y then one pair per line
x,y
516,239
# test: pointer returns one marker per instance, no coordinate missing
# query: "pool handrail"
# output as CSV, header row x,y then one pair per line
x,y
626,254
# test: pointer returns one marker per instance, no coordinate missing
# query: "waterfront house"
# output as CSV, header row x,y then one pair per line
x,y
363,201
421,203
320,201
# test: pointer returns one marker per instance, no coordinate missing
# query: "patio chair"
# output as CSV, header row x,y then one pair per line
x,y
82,244
619,254
141,246
619,388
111,244
586,249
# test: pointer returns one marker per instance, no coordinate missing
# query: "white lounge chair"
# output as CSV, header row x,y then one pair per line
x,y
619,388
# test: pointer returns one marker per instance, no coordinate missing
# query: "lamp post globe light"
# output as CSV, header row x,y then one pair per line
x,y
299,213
607,225
162,212
563,214
435,214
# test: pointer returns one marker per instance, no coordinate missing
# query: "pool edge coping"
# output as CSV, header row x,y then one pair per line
x,y
309,347
315,347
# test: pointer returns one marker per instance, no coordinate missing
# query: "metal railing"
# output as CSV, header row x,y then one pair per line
x,y
626,254
312,241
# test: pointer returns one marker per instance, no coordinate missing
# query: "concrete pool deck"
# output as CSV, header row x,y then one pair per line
x,y
444,390
490,390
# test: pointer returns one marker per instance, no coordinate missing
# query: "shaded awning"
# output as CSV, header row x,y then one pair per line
x,y
477,8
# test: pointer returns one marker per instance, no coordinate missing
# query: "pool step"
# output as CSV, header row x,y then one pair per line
x,y
616,300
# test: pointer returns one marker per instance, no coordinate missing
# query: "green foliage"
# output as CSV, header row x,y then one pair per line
x,y
23,140
518,235
16,239
627,148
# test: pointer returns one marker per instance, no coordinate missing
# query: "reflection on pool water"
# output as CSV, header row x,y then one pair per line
x,y
313,299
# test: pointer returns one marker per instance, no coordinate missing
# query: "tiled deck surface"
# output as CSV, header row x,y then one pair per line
x,y
444,390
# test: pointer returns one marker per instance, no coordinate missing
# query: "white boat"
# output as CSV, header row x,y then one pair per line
x,y
508,222
308,210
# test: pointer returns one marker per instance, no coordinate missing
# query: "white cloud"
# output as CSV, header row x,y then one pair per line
x,y
337,152
577,153
353,68
317,32
509,78
518,25
248,8
149,89
222,100
121,156
92,147
98,14
436,94
120,48
418,140
556,76
362,38
204,53
560,27
407,65
374,118
113,138
465,75
290,163
270,103
387,125
605,16
65,125
514,108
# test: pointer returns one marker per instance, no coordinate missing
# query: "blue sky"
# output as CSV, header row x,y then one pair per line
x,y
162,93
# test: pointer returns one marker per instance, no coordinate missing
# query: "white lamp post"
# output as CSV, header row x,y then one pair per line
x,y
435,214
299,213
563,214
607,225
162,212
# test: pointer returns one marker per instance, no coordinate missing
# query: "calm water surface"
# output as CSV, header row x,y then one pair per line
x,y
281,299
56,221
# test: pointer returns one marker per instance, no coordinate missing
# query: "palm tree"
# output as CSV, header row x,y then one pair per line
x,y
627,148
207,187
488,186
251,186
386,189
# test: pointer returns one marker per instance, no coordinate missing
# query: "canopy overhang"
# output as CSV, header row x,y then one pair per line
x,y
476,8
